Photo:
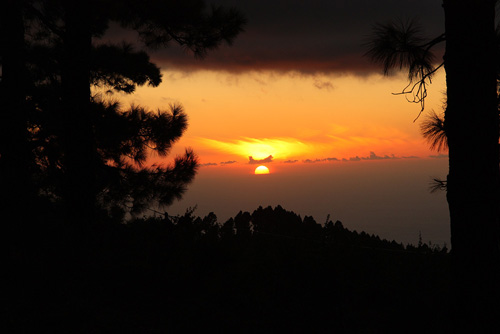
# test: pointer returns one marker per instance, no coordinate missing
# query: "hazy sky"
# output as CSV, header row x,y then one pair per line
x,y
295,86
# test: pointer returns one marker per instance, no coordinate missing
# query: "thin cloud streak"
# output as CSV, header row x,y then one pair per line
x,y
371,156
230,162
326,85
309,161
209,164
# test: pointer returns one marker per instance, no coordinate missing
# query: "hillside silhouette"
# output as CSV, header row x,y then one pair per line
x,y
266,271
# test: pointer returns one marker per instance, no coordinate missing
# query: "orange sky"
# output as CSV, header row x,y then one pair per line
x,y
333,128
292,116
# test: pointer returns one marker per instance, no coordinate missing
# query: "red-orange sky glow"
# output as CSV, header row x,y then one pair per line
x,y
295,118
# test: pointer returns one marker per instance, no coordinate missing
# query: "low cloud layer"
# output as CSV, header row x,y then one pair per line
x,y
374,156
208,164
230,162
371,156
309,161
439,156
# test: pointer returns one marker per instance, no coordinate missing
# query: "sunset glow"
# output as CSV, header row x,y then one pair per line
x,y
301,131
232,117
280,148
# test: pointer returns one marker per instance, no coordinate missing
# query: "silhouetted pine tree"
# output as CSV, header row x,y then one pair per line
x,y
72,132
472,131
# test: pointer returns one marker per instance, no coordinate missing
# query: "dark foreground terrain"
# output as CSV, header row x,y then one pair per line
x,y
269,271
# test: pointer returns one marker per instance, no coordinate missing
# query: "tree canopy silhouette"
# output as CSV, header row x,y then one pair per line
x,y
86,151
190,273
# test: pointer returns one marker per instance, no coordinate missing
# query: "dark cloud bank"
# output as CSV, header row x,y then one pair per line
x,y
306,36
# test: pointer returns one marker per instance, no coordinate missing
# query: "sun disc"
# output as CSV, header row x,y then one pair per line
x,y
261,170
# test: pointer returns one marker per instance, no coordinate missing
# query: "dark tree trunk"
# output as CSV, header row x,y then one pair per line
x,y
80,152
471,120
16,188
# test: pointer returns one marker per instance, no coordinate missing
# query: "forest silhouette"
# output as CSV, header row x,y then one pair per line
x,y
73,168
265,271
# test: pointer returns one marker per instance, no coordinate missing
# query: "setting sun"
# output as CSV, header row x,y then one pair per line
x,y
261,170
